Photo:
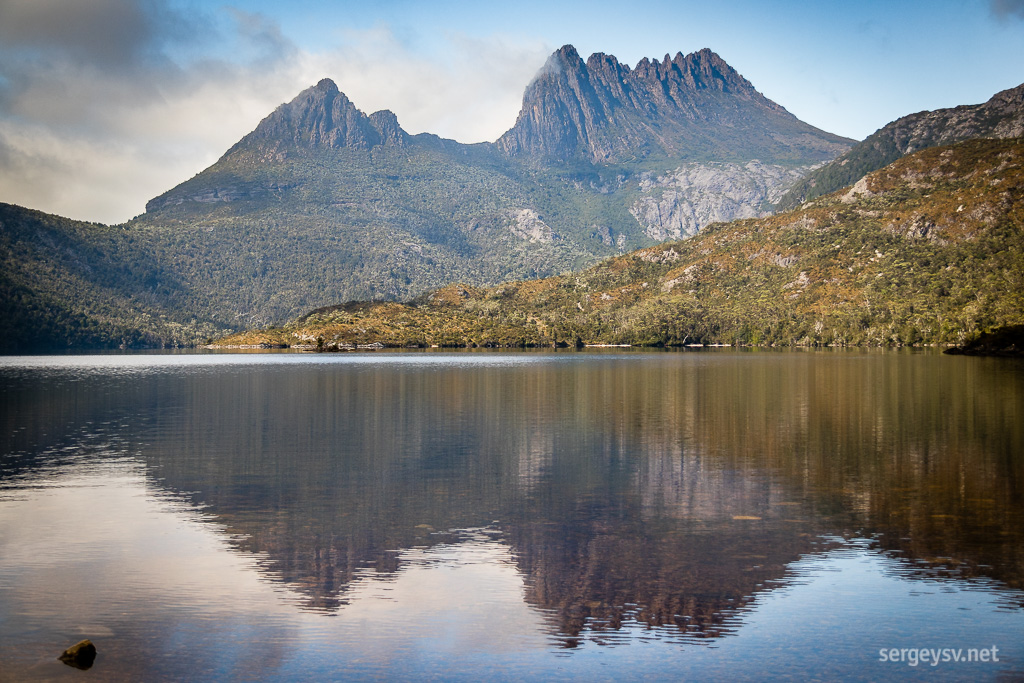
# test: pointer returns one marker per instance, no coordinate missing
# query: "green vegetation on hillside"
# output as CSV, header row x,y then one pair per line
x,y
380,224
68,284
929,250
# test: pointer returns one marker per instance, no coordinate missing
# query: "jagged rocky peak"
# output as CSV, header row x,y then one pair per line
x,y
703,69
690,105
386,124
323,117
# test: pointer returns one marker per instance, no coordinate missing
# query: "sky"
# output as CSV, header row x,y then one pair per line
x,y
105,104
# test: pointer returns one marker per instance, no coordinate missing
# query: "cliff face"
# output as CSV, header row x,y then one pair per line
x,y
694,106
1001,117
679,203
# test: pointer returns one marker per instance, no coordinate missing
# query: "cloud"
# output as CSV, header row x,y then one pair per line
x,y
1007,9
107,33
107,103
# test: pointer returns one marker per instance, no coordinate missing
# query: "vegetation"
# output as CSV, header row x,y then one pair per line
x,y
929,250
380,224
67,284
876,152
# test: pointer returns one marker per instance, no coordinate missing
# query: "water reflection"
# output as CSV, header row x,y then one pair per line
x,y
664,491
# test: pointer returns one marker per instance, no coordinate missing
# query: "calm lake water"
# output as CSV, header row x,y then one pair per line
x,y
548,515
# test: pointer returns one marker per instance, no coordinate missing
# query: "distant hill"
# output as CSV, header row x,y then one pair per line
x,y
1001,117
928,250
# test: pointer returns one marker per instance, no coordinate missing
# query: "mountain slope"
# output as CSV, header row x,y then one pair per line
x,y
296,216
70,284
927,250
1002,117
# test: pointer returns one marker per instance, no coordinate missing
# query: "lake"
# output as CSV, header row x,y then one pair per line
x,y
604,514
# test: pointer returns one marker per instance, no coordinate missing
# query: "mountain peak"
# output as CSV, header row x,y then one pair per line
x,y
321,117
567,53
688,105
564,59
326,85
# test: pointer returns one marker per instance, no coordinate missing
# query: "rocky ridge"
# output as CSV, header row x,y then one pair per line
x,y
1001,117
323,117
689,106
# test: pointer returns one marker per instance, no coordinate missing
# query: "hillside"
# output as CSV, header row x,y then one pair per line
x,y
70,284
928,250
1002,117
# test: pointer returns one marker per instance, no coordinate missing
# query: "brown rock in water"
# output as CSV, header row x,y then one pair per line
x,y
80,655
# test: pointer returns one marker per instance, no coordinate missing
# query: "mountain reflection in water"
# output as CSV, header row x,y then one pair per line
x,y
662,489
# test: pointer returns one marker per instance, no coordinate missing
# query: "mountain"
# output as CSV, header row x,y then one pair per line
x,y
928,250
328,203
1002,117
322,116
693,107
324,203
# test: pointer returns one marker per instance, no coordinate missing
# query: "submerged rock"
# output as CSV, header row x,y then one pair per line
x,y
80,655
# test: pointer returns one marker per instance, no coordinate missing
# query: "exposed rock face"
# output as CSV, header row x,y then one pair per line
x,y
679,203
1001,117
228,193
386,124
526,223
323,117
693,106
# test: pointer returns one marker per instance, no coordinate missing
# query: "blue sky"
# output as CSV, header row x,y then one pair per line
x,y
107,103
